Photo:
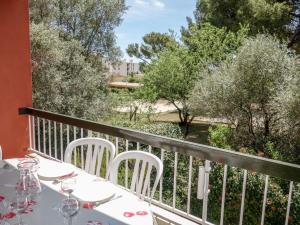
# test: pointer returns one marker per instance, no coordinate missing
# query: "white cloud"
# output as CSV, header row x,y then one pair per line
x,y
143,9
158,4
149,4
141,2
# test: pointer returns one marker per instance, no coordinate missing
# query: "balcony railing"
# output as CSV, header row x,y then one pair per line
x,y
51,132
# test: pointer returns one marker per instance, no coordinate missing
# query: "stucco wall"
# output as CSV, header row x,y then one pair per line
x,y
15,76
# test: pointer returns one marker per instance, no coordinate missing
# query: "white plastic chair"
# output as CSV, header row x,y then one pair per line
x,y
140,182
94,148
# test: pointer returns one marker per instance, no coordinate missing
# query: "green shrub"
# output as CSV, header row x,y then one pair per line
x,y
220,136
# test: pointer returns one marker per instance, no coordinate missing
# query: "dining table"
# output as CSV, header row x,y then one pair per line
x,y
124,208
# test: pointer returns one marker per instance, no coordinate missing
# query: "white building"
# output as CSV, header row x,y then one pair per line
x,y
123,68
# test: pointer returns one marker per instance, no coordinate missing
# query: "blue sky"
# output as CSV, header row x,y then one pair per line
x,y
145,16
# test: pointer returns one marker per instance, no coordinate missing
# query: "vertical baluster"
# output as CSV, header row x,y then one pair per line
x,y
289,204
117,145
138,146
39,134
243,197
33,132
44,136
49,137
29,131
265,200
161,179
149,150
206,185
61,143
189,185
55,140
126,165
68,135
223,194
175,180
81,149
107,159
75,151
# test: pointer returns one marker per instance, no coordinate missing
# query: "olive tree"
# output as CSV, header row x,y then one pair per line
x,y
63,81
247,93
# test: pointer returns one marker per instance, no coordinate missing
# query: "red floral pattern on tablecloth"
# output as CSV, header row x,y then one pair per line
x,y
9,215
93,222
27,211
88,205
141,213
128,214
32,203
138,213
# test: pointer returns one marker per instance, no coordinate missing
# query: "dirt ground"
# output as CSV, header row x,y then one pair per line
x,y
198,129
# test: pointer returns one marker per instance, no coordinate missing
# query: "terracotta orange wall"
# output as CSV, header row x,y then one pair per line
x,y
15,76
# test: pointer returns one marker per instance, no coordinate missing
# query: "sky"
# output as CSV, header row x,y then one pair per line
x,y
145,16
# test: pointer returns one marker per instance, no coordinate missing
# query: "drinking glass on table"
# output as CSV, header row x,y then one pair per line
x,y
68,185
69,208
19,204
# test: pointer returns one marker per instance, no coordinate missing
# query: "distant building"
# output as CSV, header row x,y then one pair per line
x,y
123,68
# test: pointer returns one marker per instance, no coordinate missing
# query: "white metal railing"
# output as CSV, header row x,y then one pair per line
x,y
48,135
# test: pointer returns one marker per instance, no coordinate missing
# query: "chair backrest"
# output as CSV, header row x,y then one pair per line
x,y
0,153
90,151
140,182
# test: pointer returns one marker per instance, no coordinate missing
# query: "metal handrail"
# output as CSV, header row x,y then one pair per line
x,y
262,165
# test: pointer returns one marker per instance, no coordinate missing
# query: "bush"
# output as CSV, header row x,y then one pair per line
x,y
164,129
220,136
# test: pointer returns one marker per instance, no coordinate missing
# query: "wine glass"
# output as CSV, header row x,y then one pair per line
x,y
69,207
19,204
68,185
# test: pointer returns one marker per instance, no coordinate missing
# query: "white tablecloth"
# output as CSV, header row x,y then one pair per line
x,y
46,211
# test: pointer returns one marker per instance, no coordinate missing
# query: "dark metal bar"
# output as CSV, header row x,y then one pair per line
x,y
271,167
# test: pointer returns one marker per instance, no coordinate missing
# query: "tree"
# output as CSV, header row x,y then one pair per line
x,y
209,45
92,22
277,17
63,81
154,43
245,92
168,78
173,74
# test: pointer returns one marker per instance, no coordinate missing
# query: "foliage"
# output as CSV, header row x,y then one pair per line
x,y
277,17
63,81
91,22
246,93
261,15
220,136
209,45
163,129
125,101
154,43
173,74
169,78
